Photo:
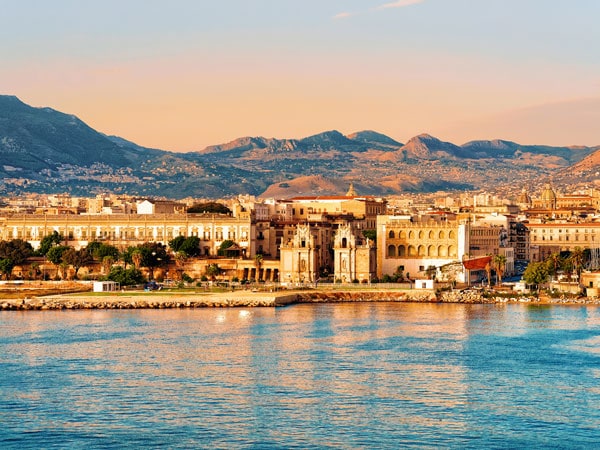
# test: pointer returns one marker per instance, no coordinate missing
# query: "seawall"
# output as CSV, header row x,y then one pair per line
x,y
163,300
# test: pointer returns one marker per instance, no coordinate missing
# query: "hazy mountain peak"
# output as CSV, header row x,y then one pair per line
x,y
374,139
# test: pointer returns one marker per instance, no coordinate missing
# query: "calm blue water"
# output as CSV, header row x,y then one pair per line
x,y
306,376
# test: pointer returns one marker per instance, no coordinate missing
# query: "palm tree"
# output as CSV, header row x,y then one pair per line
x,y
554,262
181,258
136,258
499,266
258,262
488,271
107,263
576,258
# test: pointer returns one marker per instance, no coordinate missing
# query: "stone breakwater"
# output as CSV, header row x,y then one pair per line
x,y
263,299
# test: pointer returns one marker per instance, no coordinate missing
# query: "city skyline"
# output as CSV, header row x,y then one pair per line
x,y
189,74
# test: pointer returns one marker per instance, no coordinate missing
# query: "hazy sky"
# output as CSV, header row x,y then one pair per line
x,y
183,74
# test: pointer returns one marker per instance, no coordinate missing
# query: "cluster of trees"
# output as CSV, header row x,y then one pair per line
x,y
209,207
498,265
150,255
568,263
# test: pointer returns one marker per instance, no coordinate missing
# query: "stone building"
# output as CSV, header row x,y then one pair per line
x,y
124,230
299,257
416,247
552,237
354,258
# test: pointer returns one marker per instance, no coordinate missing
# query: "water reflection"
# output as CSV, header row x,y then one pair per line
x,y
344,375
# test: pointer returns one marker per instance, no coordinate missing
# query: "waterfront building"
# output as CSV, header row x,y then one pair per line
x,y
299,261
355,258
124,230
551,237
415,247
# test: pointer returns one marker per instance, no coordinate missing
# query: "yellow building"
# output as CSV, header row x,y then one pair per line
x,y
123,230
415,247
552,237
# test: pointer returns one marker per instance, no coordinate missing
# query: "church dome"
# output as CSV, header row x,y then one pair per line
x,y
548,197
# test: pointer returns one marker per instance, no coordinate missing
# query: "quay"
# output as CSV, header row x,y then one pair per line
x,y
242,298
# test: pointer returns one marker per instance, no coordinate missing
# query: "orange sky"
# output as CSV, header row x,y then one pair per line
x,y
170,78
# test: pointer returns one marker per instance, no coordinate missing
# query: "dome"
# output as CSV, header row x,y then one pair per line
x,y
548,198
548,194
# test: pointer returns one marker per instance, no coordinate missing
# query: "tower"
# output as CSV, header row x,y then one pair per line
x,y
299,257
353,259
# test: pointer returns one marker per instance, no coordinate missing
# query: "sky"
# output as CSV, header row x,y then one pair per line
x,y
180,75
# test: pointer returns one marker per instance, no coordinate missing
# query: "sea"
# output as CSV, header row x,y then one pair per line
x,y
307,376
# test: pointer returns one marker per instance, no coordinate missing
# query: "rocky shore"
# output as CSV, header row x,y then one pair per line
x,y
163,300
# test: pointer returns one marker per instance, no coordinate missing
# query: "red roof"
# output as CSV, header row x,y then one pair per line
x,y
477,263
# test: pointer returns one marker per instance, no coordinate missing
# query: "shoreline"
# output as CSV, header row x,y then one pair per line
x,y
167,300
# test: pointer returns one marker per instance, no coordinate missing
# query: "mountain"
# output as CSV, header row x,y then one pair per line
x,y
425,146
47,151
374,140
42,138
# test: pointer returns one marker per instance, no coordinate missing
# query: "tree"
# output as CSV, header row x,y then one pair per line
x,y
48,242
554,263
77,259
135,256
100,250
148,254
258,262
6,267
55,254
191,246
125,277
499,262
107,263
180,260
536,274
488,272
17,250
212,271
176,243
576,258
209,207
371,235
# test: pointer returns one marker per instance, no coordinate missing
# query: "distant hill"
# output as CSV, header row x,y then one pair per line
x,y
46,151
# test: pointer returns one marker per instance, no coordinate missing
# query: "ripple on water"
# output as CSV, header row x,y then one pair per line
x,y
308,376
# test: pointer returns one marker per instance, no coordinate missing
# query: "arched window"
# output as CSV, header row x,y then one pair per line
x,y
421,250
431,234
442,235
412,251
402,234
401,250
431,250
452,234
391,234
391,251
421,234
344,242
442,250
452,251
411,234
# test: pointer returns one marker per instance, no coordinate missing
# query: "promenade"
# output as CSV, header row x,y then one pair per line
x,y
247,298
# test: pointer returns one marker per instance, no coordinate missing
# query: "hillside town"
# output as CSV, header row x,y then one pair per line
x,y
465,239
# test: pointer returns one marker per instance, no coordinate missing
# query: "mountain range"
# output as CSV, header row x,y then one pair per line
x,y
47,151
